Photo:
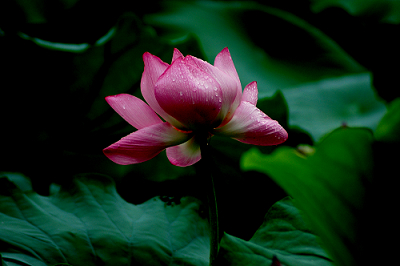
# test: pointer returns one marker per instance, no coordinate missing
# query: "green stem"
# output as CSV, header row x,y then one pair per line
x,y
204,168
214,222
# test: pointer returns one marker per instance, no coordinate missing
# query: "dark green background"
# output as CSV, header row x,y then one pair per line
x,y
320,65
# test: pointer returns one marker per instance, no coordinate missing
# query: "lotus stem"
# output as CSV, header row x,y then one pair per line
x,y
204,168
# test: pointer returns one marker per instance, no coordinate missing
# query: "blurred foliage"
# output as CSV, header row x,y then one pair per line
x,y
98,227
382,11
281,46
283,234
340,186
388,129
319,64
328,185
161,231
281,51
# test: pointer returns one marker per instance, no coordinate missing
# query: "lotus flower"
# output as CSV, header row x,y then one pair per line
x,y
195,99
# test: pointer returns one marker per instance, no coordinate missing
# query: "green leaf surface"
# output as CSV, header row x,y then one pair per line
x,y
281,52
283,234
386,11
329,186
388,129
268,45
320,107
85,222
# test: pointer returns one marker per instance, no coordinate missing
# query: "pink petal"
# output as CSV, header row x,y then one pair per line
x,y
177,54
250,93
223,61
228,84
250,125
133,110
153,68
185,154
189,95
144,144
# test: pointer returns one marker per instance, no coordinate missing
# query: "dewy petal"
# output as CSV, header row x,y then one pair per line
x,y
250,93
144,144
223,61
153,68
189,95
250,125
228,84
177,54
185,154
133,110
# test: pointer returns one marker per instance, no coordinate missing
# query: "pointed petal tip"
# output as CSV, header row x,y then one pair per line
x,y
177,54
250,93
225,50
109,152
146,54
278,136
250,125
109,97
144,144
148,59
224,53
133,110
282,136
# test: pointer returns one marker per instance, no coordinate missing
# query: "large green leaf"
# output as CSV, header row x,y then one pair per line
x,y
387,11
321,106
388,129
85,222
268,45
322,84
88,223
328,185
283,234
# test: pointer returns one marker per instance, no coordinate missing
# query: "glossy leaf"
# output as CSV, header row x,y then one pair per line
x,y
281,52
236,25
388,129
88,223
85,222
386,11
320,107
283,234
328,184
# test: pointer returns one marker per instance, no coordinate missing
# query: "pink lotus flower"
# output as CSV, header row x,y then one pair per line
x,y
195,99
